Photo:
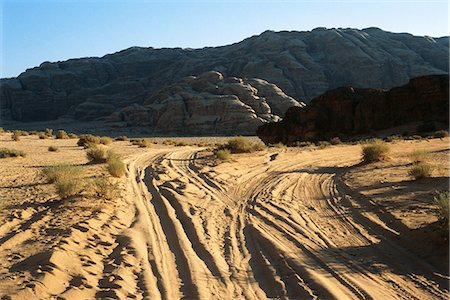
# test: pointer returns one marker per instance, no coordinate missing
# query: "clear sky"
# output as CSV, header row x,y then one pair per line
x,y
36,31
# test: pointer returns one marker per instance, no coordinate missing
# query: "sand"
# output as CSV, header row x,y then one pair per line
x,y
284,223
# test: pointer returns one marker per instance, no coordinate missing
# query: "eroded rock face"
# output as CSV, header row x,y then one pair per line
x,y
302,64
208,104
351,111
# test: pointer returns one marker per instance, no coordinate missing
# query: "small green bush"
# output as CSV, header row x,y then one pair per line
x,y
62,135
53,149
96,154
223,154
61,172
440,134
116,166
106,140
4,152
420,170
442,202
375,151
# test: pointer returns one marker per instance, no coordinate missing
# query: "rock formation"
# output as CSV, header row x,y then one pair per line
x,y
302,64
349,111
208,104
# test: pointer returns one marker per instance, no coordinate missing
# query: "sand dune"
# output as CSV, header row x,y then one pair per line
x,y
300,224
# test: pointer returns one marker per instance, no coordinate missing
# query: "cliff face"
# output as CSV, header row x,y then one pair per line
x,y
350,111
208,104
303,64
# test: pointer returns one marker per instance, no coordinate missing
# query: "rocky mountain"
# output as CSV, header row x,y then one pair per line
x,y
303,64
349,111
208,104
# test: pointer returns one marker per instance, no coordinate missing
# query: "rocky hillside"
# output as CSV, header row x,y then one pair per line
x,y
302,64
349,111
207,104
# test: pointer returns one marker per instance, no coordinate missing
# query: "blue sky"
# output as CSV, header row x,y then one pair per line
x,y
36,31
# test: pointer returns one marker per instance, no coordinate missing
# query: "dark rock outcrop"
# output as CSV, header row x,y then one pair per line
x,y
302,64
350,111
208,104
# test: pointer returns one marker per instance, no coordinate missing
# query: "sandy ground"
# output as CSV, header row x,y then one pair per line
x,y
285,223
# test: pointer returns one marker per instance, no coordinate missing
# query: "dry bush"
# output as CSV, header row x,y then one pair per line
x,y
16,135
143,143
86,139
53,149
116,166
72,136
106,140
121,138
278,145
419,155
42,136
103,188
441,200
67,187
62,135
61,172
323,144
420,170
2,130
181,144
4,152
335,141
375,151
392,138
96,154
48,132
242,144
223,154
440,134
301,144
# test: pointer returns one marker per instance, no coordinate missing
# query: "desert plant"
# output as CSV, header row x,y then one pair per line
x,y
375,151
4,152
106,140
53,149
48,132
419,155
86,139
16,136
42,136
103,188
420,170
392,138
72,136
96,154
62,135
2,130
180,144
143,143
116,166
323,144
61,172
68,187
442,202
242,144
335,141
278,145
440,134
223,154
121,138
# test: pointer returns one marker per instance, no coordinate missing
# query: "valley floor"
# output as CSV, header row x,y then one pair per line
x,y
284,223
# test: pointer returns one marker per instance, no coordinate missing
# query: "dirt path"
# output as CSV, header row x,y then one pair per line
x,y
284,226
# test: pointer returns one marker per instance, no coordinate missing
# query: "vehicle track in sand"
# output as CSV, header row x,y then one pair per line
x,y
284,227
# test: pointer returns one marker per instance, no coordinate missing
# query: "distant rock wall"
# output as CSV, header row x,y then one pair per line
x,y
208,104
351,111
302,64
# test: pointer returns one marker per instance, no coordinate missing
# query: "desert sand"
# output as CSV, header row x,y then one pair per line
x,y
283,223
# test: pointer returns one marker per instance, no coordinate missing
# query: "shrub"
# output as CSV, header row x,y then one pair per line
x,y
441,200
223,154
48,132
143,143
4,152
440,134
16,136
116,166
242,144
106,140
96,154
68,187
335,141
2,130
323,144
61,172
53,149
392,138
419,155
301,144
72,136
103,188
375,151
278,145
417,137
420,170
121,138
86,139
62,135
180,144
42,136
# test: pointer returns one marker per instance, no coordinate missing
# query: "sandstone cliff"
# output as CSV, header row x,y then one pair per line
x,y
349,111
303,64
208,104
